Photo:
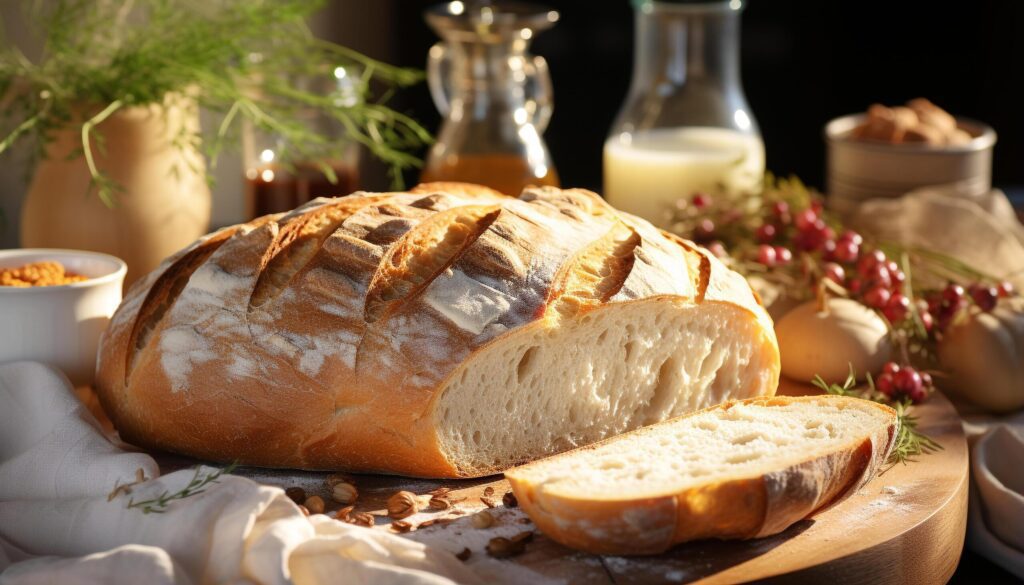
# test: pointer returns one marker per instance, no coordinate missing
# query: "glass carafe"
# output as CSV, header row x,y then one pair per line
x,y
685,126
495,97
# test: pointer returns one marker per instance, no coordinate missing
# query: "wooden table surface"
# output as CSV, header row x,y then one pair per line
x,y
906,526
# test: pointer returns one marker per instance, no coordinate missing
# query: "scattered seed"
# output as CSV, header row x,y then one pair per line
x,y
489,491
489,502
439,503
500,547
401,526
343,514
362,519
482,519
344,493
510,501
315,505
402,505
464,555
297,494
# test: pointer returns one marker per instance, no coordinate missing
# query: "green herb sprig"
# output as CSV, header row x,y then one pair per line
x,y
238,59
910,442
197,485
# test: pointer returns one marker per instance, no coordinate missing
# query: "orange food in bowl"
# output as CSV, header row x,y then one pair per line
x,y
47,273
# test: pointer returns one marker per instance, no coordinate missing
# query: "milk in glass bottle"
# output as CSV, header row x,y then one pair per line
x,y
685,126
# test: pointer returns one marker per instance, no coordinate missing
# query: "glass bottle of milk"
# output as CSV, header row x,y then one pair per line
x,y
685,126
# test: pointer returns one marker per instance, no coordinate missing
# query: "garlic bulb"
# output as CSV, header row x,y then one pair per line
x,y
984,358
827,343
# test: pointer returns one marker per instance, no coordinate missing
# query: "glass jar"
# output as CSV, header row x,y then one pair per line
x,y
685,126
278,177
494,96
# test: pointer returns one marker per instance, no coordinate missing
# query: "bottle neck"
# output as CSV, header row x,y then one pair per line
x,y
680,44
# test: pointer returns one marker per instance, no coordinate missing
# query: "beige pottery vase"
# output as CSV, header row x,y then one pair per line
x,y
162,200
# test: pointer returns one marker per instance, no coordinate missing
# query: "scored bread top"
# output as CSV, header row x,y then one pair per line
x,y
295,325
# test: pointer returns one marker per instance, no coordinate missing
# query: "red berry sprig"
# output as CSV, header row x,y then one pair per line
x,y
898,382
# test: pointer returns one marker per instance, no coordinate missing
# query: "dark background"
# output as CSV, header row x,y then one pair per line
x,y
803,64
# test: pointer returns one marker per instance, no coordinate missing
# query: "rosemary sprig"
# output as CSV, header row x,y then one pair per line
x,y
910,442
197,485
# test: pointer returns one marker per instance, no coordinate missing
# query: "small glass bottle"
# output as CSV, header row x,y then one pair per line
x,y
495,97
278,179
685,126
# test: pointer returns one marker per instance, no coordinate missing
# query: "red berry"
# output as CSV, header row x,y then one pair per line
x,y
877,297
918,395
898,278
926,380
780,208
846,251
878,275
766,255
783,255
805,219
828,249
947,313
856,285
868,261
1005,289
886,385
927,320
953,294
890,368
818,205
700,200
717,249
908,381
985,297
765,233
897,308
814,237
834,272
851,236
705,229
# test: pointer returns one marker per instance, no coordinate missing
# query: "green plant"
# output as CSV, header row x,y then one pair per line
x,y
237,58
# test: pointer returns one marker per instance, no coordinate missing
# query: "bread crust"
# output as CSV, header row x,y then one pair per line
x,y
337,361
739,508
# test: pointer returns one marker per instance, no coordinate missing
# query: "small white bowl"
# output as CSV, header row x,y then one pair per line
x,y
60,325
859,170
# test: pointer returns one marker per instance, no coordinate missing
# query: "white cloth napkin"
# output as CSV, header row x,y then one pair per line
x,y
57,526
995,526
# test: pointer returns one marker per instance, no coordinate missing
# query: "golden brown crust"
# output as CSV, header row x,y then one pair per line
x,y
319,338
741,508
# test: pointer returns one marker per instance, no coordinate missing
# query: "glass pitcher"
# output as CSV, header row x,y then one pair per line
x,y
495,98
685,126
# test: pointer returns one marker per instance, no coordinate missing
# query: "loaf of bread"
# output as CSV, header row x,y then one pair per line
x,y
450,331
738,470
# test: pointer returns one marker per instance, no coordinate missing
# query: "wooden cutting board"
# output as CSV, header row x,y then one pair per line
x,y
906,526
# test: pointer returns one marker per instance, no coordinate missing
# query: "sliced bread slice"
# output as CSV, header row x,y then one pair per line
x,y
738,470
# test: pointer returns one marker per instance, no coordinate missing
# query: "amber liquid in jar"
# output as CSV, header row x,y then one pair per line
x,y
274,189
507,174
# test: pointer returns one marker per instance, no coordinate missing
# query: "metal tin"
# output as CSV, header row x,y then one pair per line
x,y
859,170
